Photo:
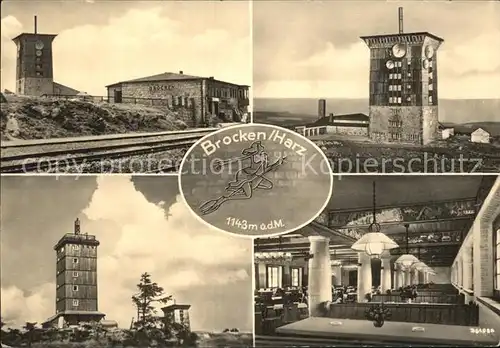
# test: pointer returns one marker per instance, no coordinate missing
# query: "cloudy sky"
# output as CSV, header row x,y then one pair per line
x,y
103,42
312,49
142,227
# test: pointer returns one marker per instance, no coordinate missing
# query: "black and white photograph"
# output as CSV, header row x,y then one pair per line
x,y
383,86
117,261
119,86
233,176
392,261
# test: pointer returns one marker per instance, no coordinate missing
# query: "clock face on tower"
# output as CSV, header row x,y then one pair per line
x,y
38,53
39,45
389,64
429,51
399,50
425,64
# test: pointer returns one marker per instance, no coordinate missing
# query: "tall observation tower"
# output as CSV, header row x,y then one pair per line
x,y
34,67
76,280
403,86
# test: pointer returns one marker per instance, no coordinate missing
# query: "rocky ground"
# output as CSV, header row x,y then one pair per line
x,y
450,156
25,117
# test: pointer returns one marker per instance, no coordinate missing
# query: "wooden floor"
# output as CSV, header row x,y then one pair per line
x,y
391,333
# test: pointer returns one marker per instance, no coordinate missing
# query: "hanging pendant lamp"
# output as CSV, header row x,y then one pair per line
x,y
374,243
407,260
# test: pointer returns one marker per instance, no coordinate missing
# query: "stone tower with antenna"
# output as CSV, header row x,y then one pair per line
x,y
403,100
34,66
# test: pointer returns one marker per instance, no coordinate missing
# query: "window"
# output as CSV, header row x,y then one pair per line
x,y
75,260
76,247
399,87
496,260
431,87
75,274
390,76
390,88
61,250
274,279
75,287
296,277
39,66
39,73
399,99
430,100
75,303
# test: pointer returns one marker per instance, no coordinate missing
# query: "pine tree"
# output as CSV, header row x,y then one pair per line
x,y
149,294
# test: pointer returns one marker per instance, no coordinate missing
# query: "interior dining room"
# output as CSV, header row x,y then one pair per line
x,y
391,261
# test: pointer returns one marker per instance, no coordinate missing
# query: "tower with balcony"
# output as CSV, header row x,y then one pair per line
x,y
76,279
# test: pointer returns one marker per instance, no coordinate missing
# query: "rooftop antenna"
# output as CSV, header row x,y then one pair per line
x,y
77,226
36,26
400,10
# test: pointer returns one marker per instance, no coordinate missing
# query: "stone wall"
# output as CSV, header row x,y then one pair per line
x,y
430,124
35,86
411,118
184,97
361,131
193,99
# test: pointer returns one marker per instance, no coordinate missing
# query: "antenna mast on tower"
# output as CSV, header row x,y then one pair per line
x,y
77,226
400,10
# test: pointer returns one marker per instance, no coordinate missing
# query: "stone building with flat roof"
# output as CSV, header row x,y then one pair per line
x,y
201,97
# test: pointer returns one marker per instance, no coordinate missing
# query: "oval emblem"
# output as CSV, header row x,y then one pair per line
x,y
255,180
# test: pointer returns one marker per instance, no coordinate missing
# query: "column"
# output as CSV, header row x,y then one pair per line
x,y
414,276
364,276
482,240
337,272
426,277
385,276
453,273
460,272
407,277
399,277
466,262
319,275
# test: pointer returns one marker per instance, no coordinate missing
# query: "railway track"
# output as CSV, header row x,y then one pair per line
x,y
57,155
